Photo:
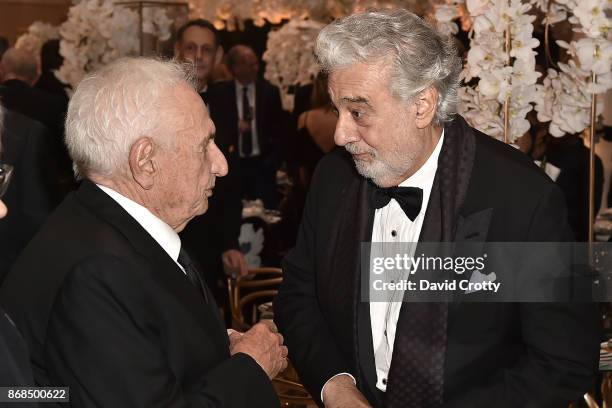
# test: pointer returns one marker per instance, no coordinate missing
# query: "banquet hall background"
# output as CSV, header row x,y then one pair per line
x,y
537,75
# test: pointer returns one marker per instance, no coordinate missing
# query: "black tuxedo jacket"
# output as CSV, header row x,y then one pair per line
x,y
31,193
207,236
15,369
107,312
271,119
501,354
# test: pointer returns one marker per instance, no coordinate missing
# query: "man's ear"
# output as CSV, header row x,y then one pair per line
x,y
142,162
426,105
177,49
218,55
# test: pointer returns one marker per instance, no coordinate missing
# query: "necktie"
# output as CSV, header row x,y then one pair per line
x,y
192,274
409,199
247,140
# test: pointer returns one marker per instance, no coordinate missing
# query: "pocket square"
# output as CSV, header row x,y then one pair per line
x,y
478,277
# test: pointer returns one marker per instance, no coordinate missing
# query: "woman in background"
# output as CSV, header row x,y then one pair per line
x,y
313,139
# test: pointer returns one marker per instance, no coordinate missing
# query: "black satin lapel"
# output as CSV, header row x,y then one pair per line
x,y
365,346
474,227
354,226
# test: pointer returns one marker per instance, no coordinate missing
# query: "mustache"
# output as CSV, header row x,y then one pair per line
x,y
354,149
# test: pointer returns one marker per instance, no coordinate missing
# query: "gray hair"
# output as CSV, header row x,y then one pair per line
x,y
421,56
115,106
21,64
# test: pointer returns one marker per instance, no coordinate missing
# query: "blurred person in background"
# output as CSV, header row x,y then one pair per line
x,y
15,369
19,95
212,238
32,194
252,119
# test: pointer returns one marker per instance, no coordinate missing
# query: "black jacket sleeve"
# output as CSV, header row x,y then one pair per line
x,y
561,340
100,347
297,311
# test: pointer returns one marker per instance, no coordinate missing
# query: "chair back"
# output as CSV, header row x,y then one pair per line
x,y
248,292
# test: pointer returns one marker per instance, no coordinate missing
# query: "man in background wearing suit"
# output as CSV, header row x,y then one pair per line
x,y
413,171
212,238
31,195
106,298
18,94
15,369
251,115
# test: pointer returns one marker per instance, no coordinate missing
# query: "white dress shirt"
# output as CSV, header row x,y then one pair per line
x,y
386,220
161,232
251,95
392,225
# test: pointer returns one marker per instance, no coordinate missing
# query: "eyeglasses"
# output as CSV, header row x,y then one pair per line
x,y
6,171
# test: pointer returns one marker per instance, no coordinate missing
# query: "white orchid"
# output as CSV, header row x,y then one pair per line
x,y
444,14
157,23
565,96
477,7
36,36
502,76
290,56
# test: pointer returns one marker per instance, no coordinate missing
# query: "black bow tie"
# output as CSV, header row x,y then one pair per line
x,y
409,199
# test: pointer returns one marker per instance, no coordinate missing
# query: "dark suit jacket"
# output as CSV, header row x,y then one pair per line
x,y
271,119
107,312
31,194
15,369
497,354
48,109
207,236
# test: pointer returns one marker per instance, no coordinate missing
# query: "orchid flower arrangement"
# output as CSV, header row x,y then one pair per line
x,y
290,58
503,75
98,32
564,98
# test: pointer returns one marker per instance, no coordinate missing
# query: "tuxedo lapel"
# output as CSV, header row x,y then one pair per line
x,y
416,375
353,226
164,269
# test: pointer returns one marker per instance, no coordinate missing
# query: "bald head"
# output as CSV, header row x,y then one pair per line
x,y
20,64
243,64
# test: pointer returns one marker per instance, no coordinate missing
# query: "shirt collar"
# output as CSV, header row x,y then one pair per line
x,y
161,232
424,176
239,86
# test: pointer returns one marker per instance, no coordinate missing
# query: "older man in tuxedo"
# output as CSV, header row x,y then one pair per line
x,y
105,296
413,171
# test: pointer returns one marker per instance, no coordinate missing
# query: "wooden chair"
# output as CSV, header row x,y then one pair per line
x,y
246,293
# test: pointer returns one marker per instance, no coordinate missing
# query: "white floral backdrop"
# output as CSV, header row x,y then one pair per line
x,y
98,31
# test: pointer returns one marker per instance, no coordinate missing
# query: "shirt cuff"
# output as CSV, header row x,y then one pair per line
x,y
322,389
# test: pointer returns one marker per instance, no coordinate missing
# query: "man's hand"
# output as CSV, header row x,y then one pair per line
x,y
234,263
264,346
341,392
233,336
